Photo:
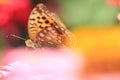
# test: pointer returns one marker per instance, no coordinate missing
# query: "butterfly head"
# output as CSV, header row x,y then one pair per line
x,y
29,43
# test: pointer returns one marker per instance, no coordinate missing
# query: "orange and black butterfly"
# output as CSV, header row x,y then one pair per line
x,y
46,29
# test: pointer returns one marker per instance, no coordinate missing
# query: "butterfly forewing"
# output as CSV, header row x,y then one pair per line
x,y
46,29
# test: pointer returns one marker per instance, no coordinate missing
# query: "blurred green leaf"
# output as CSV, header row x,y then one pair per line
x,y
87,12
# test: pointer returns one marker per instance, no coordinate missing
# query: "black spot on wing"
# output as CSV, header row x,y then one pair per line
x,y
39,22
43,17
56,29
47,22
41,27
38,17
32,19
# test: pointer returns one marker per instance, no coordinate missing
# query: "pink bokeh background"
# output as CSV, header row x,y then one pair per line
x,y
45,64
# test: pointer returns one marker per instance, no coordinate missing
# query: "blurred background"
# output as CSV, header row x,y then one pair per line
x,y
95,24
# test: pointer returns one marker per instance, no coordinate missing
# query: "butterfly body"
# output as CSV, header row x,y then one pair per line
x,y
46,29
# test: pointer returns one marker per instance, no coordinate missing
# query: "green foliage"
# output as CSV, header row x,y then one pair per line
x,y
88,12
1,43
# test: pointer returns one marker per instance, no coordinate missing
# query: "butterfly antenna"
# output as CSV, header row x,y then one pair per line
x,y
17,37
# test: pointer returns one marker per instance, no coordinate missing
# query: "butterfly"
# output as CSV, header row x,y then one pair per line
x,y
45,29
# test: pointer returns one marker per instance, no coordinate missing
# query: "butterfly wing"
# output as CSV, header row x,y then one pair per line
x,y
46,29
36,21
68,37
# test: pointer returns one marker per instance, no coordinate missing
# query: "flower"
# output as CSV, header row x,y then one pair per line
x,y
42,64
14,16
114,2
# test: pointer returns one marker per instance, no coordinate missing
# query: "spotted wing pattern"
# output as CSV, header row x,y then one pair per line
x,y
46,29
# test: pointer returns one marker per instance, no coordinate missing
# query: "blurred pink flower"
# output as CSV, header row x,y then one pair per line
x,y
113,2
43,64
47,64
